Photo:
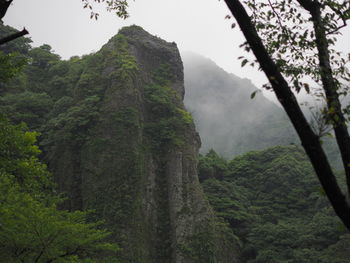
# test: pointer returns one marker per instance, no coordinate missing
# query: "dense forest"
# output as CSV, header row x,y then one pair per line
x,y
230,122
99,163
118,141
274,204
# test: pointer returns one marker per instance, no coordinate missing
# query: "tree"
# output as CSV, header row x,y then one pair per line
x,y
4,5
32,229
117,6
10,65
282,58
279,55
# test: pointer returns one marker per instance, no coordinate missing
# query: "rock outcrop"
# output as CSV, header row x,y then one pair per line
x,y
123,145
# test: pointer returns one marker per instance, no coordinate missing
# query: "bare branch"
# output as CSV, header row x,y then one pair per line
x,y
13,36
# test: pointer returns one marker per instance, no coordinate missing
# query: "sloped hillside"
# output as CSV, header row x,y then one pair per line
x,y
274,203
226,117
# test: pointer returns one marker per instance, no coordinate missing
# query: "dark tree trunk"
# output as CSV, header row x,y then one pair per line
x,y
13,36
309,139
330,86
4,5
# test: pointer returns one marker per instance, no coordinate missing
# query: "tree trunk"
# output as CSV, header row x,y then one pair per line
x,y
330,86
4,5
310,141
13,36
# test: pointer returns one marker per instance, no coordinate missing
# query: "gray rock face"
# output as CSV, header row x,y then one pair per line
x,y
151,52
135,162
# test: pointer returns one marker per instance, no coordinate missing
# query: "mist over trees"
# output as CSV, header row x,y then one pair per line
x,y
261,196
226,117
294,31
114,133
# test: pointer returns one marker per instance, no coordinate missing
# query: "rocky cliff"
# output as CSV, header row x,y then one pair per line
x,y
119,141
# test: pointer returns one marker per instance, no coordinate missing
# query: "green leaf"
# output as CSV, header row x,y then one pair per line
x,y
253,94
244,62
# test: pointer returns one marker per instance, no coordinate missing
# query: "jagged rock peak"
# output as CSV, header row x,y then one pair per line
x,y
151,52
125,147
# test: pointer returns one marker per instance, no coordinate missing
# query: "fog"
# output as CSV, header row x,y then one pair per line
x,y
195,25
226,117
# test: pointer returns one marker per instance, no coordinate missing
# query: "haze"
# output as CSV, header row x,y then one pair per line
x,y
195,25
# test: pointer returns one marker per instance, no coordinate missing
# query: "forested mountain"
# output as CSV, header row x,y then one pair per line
x,y
116,136
226,117
274,203
32,229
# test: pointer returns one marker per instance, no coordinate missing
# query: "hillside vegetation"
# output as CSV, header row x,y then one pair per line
x,y
119,142
119,158
274,203
226,117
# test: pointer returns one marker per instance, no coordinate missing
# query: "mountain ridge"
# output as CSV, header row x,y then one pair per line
x,y
118,141
227,119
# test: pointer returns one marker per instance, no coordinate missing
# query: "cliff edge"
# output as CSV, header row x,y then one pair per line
x,y
123,145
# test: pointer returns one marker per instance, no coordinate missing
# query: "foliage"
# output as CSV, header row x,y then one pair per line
x,y
40,61
117,6
19,160
212,242
126,63
72,124
100,117
211,166
297,44
44,89
10,65
19,45
201,247
62,100
168,120
31,227
272,202
28,107
290,39
225,117
34,232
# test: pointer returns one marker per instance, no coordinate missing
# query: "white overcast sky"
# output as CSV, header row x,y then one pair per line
x,y
195,25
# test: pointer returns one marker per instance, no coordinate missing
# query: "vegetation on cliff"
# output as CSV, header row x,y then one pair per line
x,y
32,229
116,136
